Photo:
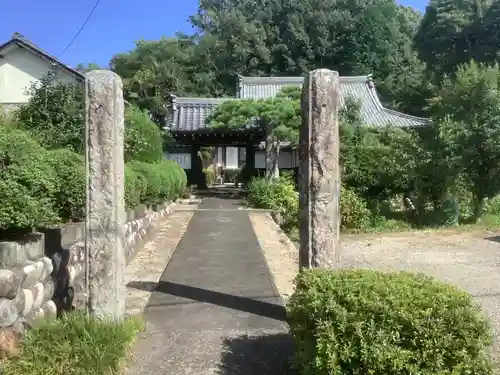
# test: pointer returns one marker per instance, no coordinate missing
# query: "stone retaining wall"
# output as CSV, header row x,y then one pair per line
x,y
44,274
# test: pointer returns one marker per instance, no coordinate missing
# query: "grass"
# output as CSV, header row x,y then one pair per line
x,y
76,344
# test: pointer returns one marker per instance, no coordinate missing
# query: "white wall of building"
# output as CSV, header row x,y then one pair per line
x,y
19,69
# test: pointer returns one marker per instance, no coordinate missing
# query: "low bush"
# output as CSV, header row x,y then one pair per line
x,y
368,322
70,197
153,181
76,344
278,195
209,176
161,181
28,184
143,138
353,210
132,187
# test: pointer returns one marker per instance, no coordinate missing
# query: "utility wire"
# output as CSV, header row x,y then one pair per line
x,y
81,28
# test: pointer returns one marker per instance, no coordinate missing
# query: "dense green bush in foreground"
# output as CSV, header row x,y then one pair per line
x,y
76,344
40,187
368,322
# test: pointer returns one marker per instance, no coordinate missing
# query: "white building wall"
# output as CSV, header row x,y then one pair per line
x,y
19,69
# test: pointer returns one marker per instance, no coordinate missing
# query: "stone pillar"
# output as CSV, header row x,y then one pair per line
x,y
105,221
197,167
319,170
249,162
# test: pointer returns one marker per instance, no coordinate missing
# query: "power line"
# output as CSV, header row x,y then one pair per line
x,y
81,28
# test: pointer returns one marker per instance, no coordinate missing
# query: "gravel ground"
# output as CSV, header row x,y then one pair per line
x,y
470,260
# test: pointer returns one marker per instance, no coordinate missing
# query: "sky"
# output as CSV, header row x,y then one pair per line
x,y
113,28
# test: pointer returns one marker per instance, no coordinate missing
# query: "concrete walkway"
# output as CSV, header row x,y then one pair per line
x,y
215,309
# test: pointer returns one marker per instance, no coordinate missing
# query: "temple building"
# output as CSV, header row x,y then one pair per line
x,y
186,120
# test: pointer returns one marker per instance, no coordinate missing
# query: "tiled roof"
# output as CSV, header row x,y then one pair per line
x,y
358,87
21,41
189,114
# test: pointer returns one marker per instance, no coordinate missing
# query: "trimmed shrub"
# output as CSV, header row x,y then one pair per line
x,y
153,181
278,195
132,187
28,183
70,197
209,176
368,322
161,181
353,210
143,138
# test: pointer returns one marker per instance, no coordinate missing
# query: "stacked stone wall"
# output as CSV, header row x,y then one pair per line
x,y
43,275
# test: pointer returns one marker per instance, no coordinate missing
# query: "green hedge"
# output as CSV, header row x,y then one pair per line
x,y
28,184
368,322
40,187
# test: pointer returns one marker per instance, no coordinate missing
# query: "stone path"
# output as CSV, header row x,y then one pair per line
x,y
216,309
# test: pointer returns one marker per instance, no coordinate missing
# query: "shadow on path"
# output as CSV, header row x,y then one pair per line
x,y
262,355
494,238
245,304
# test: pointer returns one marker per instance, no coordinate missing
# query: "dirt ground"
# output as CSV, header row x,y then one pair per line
x,y
470,260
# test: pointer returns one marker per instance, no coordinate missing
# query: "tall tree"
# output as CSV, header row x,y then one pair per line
x,y
467,113
443,40
272,37
156,69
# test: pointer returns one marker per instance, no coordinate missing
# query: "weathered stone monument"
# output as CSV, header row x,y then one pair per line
x,y
319,170
105,222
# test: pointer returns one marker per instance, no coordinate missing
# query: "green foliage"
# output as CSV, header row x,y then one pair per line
x,y
163,181
76,344
209,176
467,114
281,113
368,322
55,114
354,212
153,179
70,194
28,183
133,189
278,195
143,138
378,161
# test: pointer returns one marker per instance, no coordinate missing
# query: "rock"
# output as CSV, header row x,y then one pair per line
x,y
33,273
34,317
38,295
8,312
19,326
72,274
24,302
10,343
10,283
19,251
48,286
50,310
48,268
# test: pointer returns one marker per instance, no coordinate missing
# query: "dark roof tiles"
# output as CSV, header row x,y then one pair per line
x,y
189,114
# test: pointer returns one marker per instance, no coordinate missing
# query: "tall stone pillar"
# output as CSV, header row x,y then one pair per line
x,y
319,170
105,220
197,167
